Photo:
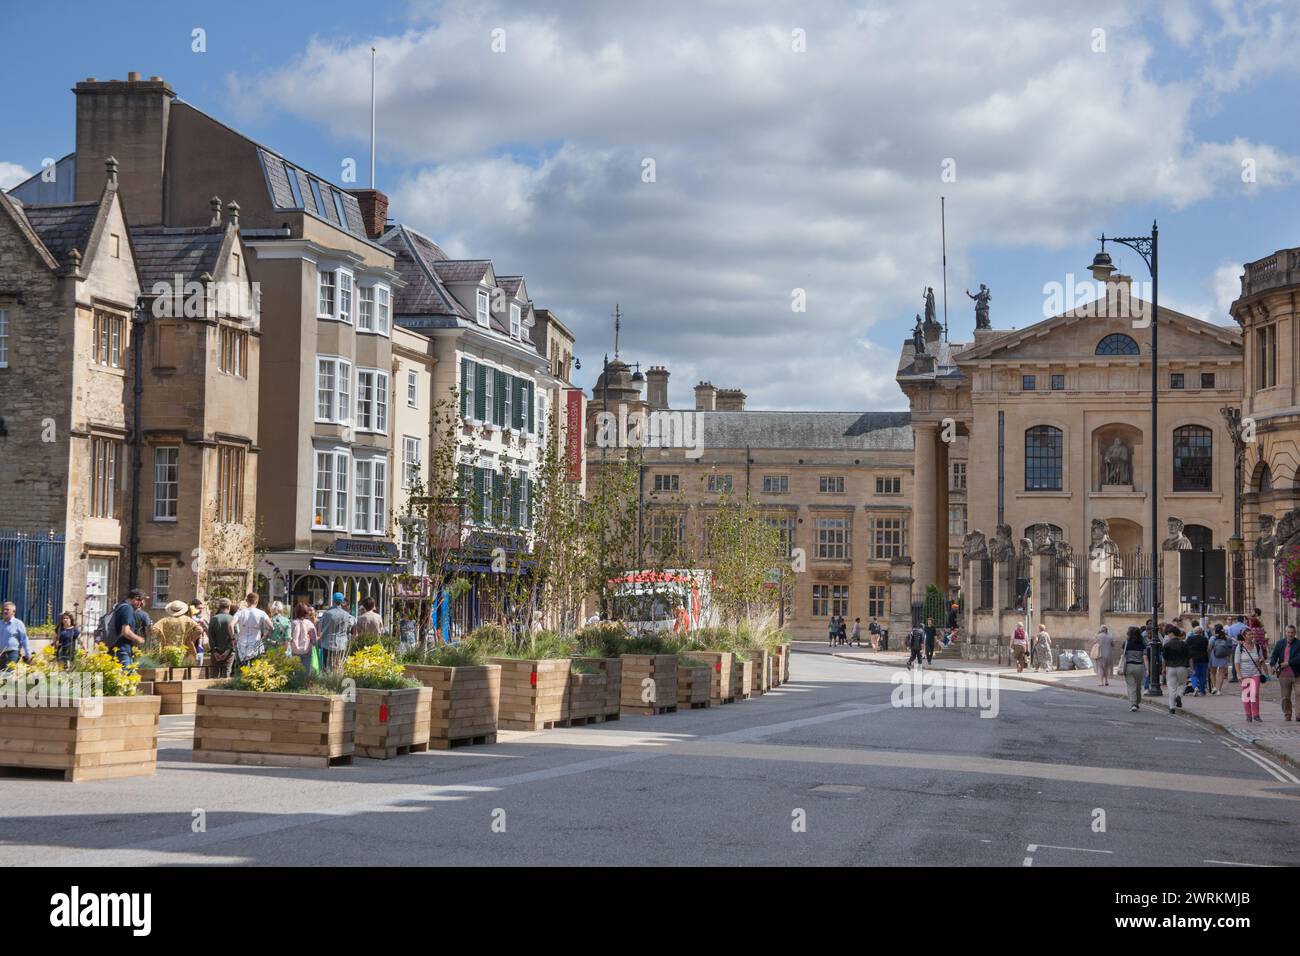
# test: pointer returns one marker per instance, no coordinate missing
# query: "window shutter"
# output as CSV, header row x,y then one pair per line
x,y
529,504
464,387
532,402
466,491
480,393
517,391
517,502
499,503
499,398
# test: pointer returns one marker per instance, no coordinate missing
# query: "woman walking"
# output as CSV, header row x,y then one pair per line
x,y
1104,654
1251,670
1220,655
303,636
1019,646
1134,666
68,633
1043,650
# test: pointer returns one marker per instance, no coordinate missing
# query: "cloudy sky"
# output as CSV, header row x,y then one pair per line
x,y
788,147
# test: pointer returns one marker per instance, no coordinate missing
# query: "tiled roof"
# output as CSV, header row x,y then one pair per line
x,y
414,259
461,270
881,431
510,284
278,170
63,227
161,253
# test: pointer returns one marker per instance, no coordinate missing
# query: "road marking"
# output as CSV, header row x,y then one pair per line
x,y
1274,770
1181,740
1033,848
1230,863
837,788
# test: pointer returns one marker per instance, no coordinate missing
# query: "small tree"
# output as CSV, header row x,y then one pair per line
x,y
745,557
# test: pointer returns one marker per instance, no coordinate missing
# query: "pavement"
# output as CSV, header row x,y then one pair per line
x,y
1223,713
825,770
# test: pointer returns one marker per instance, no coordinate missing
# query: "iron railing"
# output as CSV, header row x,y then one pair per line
x,y
31,575
1132,586
985,566
1065,585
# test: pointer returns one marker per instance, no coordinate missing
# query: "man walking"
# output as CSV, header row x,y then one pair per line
x,y
122,635
369,624
832,629
874,630
252,625
1285,660
335,627
1198,652
1176,662
930,633
916,644
856,636
13,636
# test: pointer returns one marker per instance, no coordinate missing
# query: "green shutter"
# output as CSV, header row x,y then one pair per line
x,y
499,398
464,387
498,499
529,505
480,393
517,391
480,494
532,404
517,502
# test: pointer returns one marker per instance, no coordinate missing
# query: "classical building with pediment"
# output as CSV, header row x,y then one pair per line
x,y
1054,420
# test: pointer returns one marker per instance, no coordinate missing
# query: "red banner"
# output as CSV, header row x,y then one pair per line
x,y
573,434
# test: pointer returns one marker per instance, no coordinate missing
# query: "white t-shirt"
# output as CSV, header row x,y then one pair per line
x,y
249,625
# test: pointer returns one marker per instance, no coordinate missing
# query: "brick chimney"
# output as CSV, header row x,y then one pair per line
x,y
731,400
127,119
374,210
657,387
706,397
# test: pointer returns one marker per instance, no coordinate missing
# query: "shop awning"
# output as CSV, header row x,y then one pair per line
x,y
358,567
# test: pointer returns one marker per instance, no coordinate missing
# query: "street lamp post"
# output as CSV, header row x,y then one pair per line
x,y
1148,247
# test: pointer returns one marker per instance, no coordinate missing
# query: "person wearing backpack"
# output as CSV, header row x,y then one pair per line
x,y
1198,652
916,644
1135,646
303,636
1220,655
1285,662
122,634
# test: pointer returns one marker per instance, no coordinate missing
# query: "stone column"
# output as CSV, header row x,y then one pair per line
x,y
1099,573
1169,596
941,515
900,600
999,601
925,534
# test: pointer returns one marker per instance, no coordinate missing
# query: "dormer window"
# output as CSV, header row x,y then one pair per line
x,y
482,308
516,321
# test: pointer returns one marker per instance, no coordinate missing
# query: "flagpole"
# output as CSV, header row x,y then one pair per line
x,y
372,117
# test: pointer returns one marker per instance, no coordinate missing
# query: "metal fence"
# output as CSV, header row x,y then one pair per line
x,y
31,575
985,602
1241,583
1132,586
1065,585
1017,582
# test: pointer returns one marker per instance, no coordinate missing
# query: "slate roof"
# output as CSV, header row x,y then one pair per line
x,y
880,431
278,169
414,259
162,252
510,284
461,270
64,226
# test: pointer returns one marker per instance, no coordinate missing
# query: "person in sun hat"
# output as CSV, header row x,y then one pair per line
x,y
335,627
177,628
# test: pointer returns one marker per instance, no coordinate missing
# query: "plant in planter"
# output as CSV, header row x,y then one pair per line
x,y
275,714
712,648
85,721
601,646
393,710
649,676
535,677
466,693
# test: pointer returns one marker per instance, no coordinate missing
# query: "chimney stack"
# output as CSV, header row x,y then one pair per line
x,y
731,400
657,387
706,397
374,210
232,210
127,119
215,205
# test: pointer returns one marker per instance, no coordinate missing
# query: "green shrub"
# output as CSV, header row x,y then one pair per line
x,y
171,656
445,655
600,640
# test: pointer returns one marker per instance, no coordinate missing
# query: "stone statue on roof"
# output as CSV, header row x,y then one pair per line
x,y
930,318
918,338
981,306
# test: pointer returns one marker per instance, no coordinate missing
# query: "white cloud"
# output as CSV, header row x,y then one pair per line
x,y
11,174
1227,287
775,169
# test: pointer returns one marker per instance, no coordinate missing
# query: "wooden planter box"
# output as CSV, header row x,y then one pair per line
x,y
785,663
762,672
109,737
534,693
693,686
156,674
181,696
742,679
721,666
587,696
660,668
465,704
775,656
612,668
273,730
393,722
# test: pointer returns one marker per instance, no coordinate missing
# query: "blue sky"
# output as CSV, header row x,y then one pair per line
x,y
777,169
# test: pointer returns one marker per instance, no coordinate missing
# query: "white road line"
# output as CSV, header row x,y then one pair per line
x,y
1230,863
1181,740
1075,849
1278,773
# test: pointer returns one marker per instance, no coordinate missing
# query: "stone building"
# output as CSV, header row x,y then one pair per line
x,y
68,288
564,403
838,486
1056,417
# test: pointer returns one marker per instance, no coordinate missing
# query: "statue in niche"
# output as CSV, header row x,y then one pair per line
x,y
1101,544
1117,463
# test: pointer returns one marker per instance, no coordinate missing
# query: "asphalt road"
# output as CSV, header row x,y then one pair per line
x,y
822,771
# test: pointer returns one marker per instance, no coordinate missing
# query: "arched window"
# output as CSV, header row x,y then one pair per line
x,y
1193,458
1265,479
1202,538
1117,344
1043,458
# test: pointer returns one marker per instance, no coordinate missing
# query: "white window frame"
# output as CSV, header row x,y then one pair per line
x,y
160,484
4,338
322,312
410,458
383,309
412,388
366,308
370,474
335,503
346,289
516,321
340,391
160,598
372,412
484,306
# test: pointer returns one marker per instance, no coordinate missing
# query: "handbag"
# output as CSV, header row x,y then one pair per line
x,y
314,663
1095,650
